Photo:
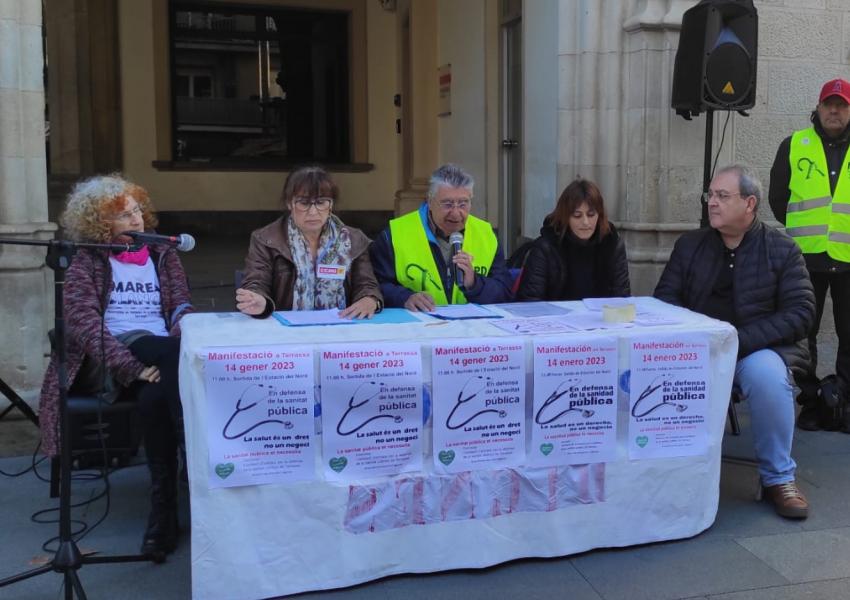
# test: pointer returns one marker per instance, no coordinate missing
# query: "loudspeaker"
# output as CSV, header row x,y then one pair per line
x,y
716,60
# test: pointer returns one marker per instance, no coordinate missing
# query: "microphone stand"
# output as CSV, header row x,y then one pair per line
x,y
68,558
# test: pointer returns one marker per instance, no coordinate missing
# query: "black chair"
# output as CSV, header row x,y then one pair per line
x,y
101,432
735,429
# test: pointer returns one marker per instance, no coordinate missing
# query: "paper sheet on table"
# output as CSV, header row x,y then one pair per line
x,y
653,319
301,318
463,311
535,326
593,320
532,309
598,303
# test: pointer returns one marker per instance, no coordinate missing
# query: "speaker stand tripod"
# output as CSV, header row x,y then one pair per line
x,y
68,558
16,402
706,166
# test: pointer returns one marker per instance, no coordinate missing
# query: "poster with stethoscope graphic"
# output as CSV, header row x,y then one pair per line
x,y
260,425
668,395
575,402
371,409
478,404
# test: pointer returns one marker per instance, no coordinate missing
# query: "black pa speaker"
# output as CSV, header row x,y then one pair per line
x,y
716,60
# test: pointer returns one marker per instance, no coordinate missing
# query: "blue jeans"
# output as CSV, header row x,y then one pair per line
x,y
764,382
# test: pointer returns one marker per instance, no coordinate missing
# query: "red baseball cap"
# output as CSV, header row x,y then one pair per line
x,y
836,87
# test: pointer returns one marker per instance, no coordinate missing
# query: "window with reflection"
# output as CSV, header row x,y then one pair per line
x,y
259,84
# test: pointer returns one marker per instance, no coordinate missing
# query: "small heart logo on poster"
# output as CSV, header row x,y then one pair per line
x,y
546,448
641,440
446,456
224,470
338,463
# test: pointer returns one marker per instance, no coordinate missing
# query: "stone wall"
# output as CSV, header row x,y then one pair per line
x,y
616,125
25,293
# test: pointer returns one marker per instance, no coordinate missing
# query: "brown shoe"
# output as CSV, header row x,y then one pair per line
x,y
787,500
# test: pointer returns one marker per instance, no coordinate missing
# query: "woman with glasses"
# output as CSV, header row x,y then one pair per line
x,y
578,254
122,315
309,259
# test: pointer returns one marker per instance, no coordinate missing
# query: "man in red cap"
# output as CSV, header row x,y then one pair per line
x,y
810,194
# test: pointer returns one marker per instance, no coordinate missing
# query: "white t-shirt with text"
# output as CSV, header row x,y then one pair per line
x,y
135,301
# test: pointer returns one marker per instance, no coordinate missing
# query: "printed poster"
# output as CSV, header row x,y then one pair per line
x,y
668,395
260,425
371,409
575,402
478,404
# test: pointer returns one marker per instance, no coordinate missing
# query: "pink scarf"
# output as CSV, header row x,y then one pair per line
x,y
138,257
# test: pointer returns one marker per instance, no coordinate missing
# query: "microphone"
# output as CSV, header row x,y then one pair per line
x,y
183,242
456,240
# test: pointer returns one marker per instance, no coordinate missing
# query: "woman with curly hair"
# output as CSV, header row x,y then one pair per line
x,y
579,254
123,315
283,269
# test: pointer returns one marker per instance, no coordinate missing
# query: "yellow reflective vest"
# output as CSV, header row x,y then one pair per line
x,y
415,267
818,220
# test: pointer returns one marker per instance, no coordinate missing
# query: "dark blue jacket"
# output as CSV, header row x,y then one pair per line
x,y
772,294
493,288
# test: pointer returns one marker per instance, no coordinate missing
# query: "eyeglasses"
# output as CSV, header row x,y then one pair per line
x,y
721,196
127,215
304,204
459,203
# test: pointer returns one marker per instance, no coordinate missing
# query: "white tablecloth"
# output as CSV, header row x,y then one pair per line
x,y
270,540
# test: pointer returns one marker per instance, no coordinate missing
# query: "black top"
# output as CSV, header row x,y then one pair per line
x,y
566,268
721,301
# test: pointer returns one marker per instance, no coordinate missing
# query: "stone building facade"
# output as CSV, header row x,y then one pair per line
x,y
588,84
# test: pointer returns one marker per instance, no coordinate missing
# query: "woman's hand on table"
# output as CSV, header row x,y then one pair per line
x,y
250,303
362,309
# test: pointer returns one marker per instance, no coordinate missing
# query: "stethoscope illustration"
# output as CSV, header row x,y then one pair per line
x,y
649,391
353,404
240,409
424,276
556,394
461,399
811,167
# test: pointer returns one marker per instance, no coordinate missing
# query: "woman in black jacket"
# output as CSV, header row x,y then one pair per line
x,y
578,254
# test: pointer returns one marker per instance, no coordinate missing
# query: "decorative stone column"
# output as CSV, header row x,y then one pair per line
x,y
421,101
26,292
664,152
616,125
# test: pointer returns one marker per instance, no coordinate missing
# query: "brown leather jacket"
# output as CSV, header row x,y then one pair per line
x,y
269,269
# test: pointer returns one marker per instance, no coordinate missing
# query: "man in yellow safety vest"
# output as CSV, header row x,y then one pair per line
x,y
440,254
810,194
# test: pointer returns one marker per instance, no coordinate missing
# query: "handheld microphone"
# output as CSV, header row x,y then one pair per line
x,y
183,242
456,240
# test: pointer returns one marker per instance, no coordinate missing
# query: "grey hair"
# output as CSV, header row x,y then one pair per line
x,y
748,180
449,175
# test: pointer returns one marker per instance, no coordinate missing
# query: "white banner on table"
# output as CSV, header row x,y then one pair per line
x,y
478,404
260,403
371,409
575,402
669,395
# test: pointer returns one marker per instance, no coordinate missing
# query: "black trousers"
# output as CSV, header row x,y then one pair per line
x,y
159,403
838,284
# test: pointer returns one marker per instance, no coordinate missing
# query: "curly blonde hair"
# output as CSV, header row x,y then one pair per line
x,y
95,202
